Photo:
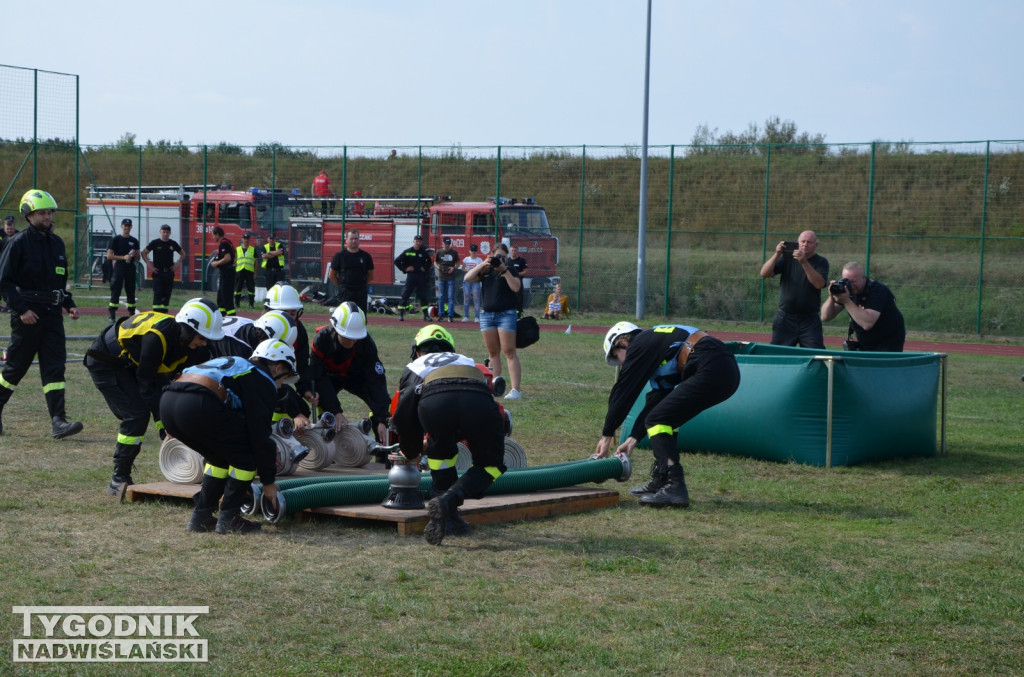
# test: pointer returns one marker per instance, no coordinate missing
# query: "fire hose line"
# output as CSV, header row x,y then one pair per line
x,y
180,463
537,478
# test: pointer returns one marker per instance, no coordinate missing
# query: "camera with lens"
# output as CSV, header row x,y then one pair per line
x,y
842,286
496,261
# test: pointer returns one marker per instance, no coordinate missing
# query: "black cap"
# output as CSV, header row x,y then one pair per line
x,y
447,240
165,227
8,219
271,235
418,237
247,235
126,222
472,247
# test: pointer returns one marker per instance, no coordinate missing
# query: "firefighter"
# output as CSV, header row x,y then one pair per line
x,y
222,409
131,362
689,371
33,279
224,261
272,261
245,271
444,395
415,262
163,250
344,357
123,252
284,298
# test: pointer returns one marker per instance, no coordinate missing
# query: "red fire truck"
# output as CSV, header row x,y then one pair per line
x,y
386,225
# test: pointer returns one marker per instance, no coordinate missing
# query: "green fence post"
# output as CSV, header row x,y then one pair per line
x,y
202,258
764,224
497,199
579,240
871,209
344,197
419,177
981,250
668,226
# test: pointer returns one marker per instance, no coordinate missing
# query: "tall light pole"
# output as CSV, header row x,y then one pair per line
x,y
641,248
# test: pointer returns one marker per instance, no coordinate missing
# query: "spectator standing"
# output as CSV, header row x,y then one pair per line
x,y
518,264
272,261
498,320
33,280
689,371
415,263
803,274
245,271
8,232
123,252
471,290
163,264
224,262
322,189
448,265
874,317
352,271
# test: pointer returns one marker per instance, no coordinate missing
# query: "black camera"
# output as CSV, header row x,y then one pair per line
x,y
842,286
788,248
496,261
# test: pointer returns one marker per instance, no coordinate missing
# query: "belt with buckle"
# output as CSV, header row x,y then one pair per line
x,y
50,298
199,379
688,345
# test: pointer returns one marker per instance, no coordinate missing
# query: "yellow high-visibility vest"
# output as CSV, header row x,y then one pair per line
x,y
245,259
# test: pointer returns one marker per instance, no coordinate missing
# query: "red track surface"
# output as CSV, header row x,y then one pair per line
x,y
833,342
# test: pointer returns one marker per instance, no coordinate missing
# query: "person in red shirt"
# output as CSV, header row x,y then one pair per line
x,y
322,189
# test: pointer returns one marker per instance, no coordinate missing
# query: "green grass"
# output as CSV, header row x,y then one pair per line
x,y
910,567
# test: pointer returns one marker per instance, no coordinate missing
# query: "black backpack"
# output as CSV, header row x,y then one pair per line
x,y
527,331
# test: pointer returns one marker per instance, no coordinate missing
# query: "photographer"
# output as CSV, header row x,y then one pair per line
x,y
802,277
498,320
874,317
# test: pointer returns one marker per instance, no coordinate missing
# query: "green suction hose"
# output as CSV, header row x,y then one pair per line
x,y
373,489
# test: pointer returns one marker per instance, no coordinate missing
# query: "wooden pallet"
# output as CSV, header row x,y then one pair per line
x,y
488,510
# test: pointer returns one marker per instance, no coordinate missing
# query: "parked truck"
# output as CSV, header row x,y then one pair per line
x,y
386,225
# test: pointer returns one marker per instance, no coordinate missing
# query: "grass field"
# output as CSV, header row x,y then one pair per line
x,y
911,567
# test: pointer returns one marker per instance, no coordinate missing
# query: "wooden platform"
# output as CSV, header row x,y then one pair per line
x,y
488,510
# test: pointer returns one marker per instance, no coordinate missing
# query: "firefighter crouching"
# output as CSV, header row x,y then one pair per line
x,y
33,279
444,395
689,371
131,362
223,409
344,357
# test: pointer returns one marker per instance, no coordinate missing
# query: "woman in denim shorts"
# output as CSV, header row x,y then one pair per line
x,y
498,319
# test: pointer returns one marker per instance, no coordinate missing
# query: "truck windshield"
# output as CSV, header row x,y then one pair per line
x,y
526,220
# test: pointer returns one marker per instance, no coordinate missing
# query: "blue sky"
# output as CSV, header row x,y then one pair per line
x,y
531,72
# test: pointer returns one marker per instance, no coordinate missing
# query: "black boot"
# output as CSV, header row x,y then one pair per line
x,y
659,478
124,457
441,510
5,394
442,480
230,518
673,494
206,502
61,426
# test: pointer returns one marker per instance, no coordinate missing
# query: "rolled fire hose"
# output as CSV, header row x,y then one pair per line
x,y
352,447
537,478
180,463
515,456
321,452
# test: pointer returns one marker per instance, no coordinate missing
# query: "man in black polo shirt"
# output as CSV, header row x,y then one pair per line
x,y
123,251
803,275
874,317
163,250
352,271
224,262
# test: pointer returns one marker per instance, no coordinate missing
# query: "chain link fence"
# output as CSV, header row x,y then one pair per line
x,y
941,224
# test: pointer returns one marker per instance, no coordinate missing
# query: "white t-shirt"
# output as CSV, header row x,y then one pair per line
x,y
471,262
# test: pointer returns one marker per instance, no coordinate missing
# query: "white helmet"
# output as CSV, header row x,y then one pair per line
x,y
349,321
205,319
620,329
278,325
273,350
282,297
